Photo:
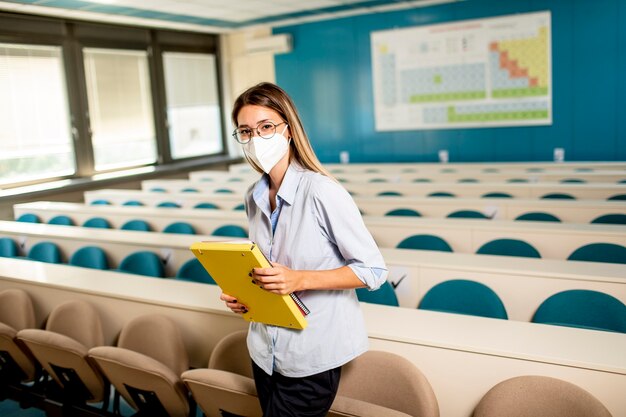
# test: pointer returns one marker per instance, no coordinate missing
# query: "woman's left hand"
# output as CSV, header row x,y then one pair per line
x,y
278,279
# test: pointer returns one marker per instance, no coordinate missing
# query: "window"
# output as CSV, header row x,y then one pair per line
x,y
120,108
193,109
35,133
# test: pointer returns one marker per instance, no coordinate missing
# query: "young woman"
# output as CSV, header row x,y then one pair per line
x,y
310,229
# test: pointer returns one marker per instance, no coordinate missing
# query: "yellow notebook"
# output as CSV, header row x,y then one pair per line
x,y
230,264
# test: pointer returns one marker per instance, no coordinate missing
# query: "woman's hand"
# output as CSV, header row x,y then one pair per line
x,y
279,279
231,302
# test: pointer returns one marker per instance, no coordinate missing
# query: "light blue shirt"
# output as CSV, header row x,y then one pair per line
x,y
317,227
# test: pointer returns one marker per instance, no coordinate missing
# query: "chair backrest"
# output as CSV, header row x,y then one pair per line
x,y
508,247
539,396
467,214
180,227
90,257
61,220
16,313
384,382
168,204
98,223
137,224
230,230
617,218
45,252
28,218
8,247
143,263
538,216
16,309
403,212
192,270
583,308
425,242
385,295
558,196
206,206
464,297
600,252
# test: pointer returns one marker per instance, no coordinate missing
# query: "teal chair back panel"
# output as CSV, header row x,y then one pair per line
x,y
508,247
538,216
90,257
467,214
464,297
97,223
583,308
143,263
8,248
180,227
205,206
617,197
600,252
497,195
617,218
385,295
558,196
403,212
192,270
425,242
230,230
138,225
45,252
28,218
61,220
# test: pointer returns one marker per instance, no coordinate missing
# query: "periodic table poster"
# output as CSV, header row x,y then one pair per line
x,y
471,73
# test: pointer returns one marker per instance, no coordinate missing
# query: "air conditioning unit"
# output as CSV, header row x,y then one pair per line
x,y
275,44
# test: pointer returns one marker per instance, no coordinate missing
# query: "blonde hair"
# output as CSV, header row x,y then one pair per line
x,y
275,98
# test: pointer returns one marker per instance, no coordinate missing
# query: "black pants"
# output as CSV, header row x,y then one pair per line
x,y
309,396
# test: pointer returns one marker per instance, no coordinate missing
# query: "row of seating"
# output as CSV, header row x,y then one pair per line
x,y
149,368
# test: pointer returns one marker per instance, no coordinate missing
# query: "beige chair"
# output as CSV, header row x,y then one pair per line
x,y
146,365
383,384
16,313
228,384
539,396
72,329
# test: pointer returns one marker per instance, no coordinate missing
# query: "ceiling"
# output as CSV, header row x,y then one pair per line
x,y
215,16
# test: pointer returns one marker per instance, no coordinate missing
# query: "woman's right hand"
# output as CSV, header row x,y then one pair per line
x,y
231,302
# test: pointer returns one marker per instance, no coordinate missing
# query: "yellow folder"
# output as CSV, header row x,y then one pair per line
x,y
230,264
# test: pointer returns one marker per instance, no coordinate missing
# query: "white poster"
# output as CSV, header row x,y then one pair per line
x,y
473,73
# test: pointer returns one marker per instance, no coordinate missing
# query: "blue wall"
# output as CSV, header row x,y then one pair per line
x,y
328,75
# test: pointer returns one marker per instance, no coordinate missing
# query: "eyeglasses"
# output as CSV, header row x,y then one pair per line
x,y
265,129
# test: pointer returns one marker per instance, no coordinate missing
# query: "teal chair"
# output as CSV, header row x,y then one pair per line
x,y
583,309
206,206
143,263
168,204
240,207
558,196
497,195
45,252
181,228
97,223
467,214
617,197
28,218
462,296
61,220
538,216
389,194
8,248
600,252
441,194
508,247
138,225
384,295
403,212
133,203
90,257
425,242
100,203
610,219
193,271
224,191
230,230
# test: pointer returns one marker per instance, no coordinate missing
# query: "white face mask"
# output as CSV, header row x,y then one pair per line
x,y
267,152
